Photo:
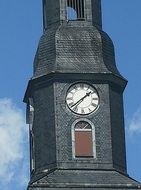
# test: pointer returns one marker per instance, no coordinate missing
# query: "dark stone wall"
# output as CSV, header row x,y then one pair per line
x,y
44,128
96,13
101,121
51,10
53,121
117,127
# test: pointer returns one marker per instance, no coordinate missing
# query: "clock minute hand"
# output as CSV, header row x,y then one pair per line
x,y
79,101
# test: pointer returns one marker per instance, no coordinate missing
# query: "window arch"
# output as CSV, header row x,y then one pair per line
x,y
83,139
75,9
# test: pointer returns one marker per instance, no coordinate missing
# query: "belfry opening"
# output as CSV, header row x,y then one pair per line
x,y
75,9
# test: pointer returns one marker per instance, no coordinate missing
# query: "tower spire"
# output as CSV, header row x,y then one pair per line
x,y
75,103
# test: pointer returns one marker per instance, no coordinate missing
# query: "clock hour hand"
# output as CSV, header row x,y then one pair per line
x,y
79,101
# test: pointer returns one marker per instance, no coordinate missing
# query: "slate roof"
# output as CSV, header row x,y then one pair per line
x,y
67,49
87,179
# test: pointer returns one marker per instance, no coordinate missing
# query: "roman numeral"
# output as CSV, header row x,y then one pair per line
x,y
90,110
81,85
94,105
88,88
93,92
71,93
70,104
94,98
69,98
75,109
75,87
82,111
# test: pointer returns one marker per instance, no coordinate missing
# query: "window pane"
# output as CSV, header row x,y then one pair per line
x,y
83,144
82,125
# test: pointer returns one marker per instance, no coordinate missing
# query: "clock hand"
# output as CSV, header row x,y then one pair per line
x,y
79,101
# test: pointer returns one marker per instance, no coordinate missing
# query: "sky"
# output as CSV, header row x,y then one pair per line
x,y
20,31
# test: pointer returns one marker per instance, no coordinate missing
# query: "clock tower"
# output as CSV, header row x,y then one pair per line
x,y
75,103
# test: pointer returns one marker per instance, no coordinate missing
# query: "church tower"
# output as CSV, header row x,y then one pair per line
x,y
75,103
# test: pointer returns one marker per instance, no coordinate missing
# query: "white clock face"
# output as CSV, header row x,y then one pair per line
x,y
82,98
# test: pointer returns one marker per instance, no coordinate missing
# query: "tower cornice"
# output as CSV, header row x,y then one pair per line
x,y
42,81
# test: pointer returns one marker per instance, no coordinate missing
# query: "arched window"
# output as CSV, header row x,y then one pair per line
x,y
75,9
83,140
30,120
